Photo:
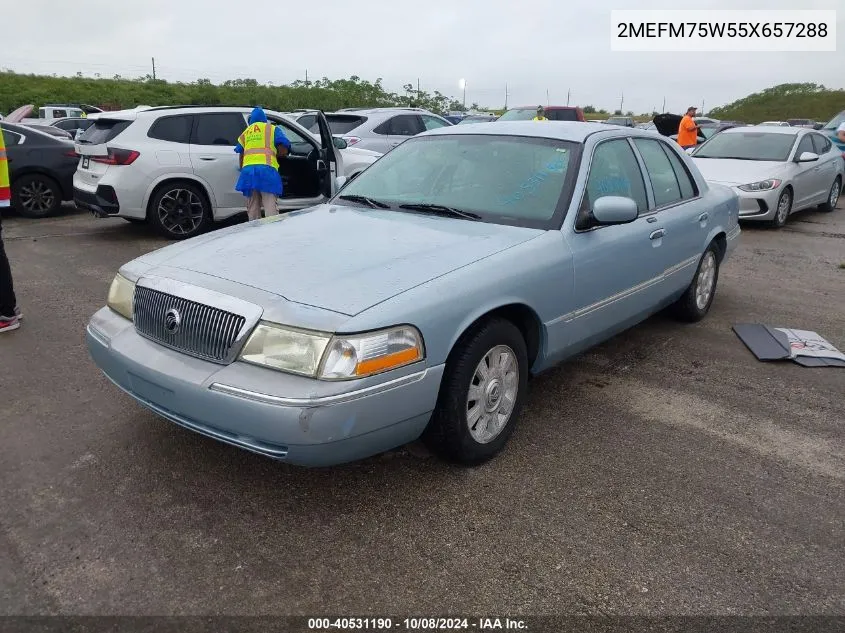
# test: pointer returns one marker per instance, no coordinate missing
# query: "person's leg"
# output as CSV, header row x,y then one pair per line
x,y
8,303
268,201
253,206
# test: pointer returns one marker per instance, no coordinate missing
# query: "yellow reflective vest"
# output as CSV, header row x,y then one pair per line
x,y
257,141
539,118
5,191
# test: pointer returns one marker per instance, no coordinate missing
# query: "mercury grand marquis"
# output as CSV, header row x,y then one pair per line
x,y
419,299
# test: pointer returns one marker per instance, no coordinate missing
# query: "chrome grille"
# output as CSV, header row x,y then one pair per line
x,y
184,325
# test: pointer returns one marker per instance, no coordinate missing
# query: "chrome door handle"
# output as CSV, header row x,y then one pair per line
x,y
703,217
657,234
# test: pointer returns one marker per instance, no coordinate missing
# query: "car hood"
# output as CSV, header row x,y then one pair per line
x,y
339,258
16,116
737,172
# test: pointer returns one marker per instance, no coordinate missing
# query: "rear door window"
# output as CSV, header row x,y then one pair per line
x,y
176,129
221,128
561,115
340,123
687,184
103,131
405,125
432,122
664,182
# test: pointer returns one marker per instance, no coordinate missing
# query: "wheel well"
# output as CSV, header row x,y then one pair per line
x,y
524,318
172,181
721,242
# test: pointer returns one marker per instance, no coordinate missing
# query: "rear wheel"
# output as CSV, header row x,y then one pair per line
x,y
481,394
832,196
695,303
180,210
36,196
783,209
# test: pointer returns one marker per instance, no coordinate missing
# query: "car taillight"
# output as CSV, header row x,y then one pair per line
x,y
71,154
117,157
351,140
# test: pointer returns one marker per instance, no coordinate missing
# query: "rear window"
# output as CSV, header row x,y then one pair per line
x,y
176,129
561,115
341,123
103,131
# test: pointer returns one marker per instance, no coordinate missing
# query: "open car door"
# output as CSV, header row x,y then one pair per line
x,y
330,164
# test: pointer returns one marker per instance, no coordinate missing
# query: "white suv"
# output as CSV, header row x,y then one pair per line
x,y
176,167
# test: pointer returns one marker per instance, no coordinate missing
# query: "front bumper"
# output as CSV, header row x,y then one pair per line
x,y
757,205
283,418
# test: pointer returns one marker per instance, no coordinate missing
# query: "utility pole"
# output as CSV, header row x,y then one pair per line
x,y
621,101
702,107
567,96
419,92
154,68
547,97
465,96
664,106
306,77
506,96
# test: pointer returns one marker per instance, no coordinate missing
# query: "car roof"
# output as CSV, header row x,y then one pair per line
x,y
548,107
770,129
575,131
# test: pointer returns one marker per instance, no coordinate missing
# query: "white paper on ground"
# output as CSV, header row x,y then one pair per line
x,y
806,343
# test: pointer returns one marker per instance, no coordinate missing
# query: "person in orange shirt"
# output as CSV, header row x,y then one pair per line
x,y
688,130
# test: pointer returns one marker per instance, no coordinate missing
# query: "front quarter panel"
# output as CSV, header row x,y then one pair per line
x,y
537,274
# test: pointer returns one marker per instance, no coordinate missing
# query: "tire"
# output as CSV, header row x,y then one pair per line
x,y
695,303
784,208
180,210
36,196
448,433
832,196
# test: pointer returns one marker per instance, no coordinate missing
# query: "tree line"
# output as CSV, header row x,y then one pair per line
x,y
117,93
785,101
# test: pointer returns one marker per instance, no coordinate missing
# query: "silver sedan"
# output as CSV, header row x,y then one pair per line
x,y
775,171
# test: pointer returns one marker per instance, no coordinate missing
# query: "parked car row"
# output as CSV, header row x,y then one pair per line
x,y
175,167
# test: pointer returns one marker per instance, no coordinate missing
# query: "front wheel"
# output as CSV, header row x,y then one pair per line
x,y
695,303
481,394
179,210
832,196
784,208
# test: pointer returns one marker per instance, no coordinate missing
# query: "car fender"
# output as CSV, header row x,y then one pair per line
x,y
179,176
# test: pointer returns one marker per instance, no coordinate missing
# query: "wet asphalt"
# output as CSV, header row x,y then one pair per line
x,y
665,472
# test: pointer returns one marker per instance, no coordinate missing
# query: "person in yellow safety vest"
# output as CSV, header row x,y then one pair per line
x,y
10,316
259,148
541,114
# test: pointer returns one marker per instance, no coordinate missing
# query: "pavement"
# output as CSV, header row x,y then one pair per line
x,y
665,472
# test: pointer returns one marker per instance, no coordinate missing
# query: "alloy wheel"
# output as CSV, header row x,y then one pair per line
x,y
180,211
36,196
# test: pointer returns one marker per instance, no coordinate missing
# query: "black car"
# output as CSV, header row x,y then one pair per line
x,y
667,124
41,169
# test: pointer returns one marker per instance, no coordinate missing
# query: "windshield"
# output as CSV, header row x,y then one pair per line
x,y
836,121
748,146
511,180
519,114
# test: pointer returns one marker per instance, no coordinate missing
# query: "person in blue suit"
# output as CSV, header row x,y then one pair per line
x,y
259,148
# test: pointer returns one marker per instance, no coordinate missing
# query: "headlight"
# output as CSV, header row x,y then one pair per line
x,y
121,296
285,349
763,185
330,357
372,353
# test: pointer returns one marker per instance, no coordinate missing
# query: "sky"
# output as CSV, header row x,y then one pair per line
x,y
539,49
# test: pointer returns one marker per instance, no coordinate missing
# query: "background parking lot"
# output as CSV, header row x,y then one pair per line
x,y
665,472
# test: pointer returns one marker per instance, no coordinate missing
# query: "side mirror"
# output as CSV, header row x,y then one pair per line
x,y
807,157
615,210
339,143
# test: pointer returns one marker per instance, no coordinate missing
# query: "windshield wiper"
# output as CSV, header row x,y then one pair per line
x,y
375,204
440,210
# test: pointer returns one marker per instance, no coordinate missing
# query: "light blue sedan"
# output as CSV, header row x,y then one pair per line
x,y
418,301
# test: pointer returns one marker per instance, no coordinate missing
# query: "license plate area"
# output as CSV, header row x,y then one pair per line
x,y
86,161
